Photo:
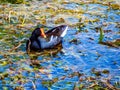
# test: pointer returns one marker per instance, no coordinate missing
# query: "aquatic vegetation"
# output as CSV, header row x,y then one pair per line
x,y
12,1
101,35
89,58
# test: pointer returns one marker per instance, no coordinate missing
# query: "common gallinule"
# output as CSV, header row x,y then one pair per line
x,y
40,40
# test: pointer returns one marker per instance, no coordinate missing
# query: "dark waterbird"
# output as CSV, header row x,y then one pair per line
x,y
40,41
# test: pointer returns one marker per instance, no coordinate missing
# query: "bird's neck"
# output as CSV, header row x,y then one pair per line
x,y
33,38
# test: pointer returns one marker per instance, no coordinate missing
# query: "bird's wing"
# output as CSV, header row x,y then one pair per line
x,y
59,31
54,40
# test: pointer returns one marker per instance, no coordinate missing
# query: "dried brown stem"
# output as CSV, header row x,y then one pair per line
x,y
111,87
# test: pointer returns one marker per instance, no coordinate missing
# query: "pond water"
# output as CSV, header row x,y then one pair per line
x,y
81,63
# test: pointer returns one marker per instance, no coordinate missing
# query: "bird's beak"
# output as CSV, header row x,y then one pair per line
x,y
42,33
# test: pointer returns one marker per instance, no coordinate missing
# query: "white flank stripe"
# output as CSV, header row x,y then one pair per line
x,y
65,31
51,38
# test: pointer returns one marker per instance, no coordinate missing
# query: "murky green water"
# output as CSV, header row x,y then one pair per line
x,y
82,63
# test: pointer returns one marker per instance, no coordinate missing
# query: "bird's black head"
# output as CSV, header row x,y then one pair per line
x,y
38,32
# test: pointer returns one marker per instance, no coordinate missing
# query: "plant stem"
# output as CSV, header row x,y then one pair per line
x,y
101,35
